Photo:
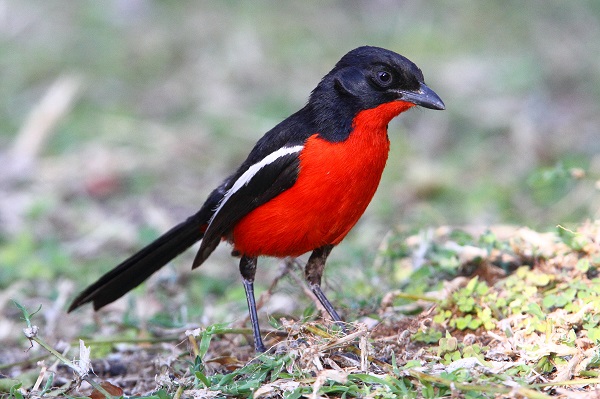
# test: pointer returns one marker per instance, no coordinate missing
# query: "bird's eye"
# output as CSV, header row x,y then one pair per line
x,y
383,78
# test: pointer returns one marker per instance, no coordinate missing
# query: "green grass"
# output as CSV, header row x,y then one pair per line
x,y
526,325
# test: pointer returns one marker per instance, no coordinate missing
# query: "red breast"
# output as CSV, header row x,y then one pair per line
x,y
336,182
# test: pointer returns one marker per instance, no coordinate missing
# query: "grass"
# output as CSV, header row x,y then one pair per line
x,y
485,315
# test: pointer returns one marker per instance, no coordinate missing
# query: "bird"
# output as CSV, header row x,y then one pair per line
x,y
303,186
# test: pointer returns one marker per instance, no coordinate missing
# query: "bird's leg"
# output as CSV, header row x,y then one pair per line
x,y
313,273
248,270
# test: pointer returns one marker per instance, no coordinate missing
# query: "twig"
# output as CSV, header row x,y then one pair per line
x,y
82,370
308,292
284,270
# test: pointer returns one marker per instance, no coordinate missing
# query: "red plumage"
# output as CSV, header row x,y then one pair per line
x,y
336,182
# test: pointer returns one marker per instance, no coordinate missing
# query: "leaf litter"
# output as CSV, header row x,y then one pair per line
x,y
496,313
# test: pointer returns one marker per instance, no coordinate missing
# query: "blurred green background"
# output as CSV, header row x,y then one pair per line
x,y
165,98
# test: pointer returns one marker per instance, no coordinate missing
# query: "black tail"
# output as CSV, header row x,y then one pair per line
x,y
133,271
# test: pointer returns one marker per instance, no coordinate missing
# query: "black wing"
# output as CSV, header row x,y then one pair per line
x,y
226,205
260,183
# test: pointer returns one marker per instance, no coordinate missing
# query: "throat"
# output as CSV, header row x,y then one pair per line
x,y
367,145
379,117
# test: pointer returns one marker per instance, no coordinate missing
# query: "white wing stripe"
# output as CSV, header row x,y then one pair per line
x,y
245,178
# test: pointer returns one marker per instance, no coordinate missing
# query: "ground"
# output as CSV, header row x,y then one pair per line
x,y
505,312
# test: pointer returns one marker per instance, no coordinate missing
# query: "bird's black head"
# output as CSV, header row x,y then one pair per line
x,y
367,77
373,76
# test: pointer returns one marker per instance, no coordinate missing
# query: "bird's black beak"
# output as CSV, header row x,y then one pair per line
x,y
424,97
